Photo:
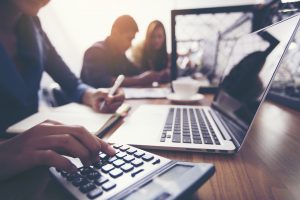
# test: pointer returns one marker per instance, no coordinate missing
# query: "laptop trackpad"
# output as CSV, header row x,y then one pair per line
x,y
144,126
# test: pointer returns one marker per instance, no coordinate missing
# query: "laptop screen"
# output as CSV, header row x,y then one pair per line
x,y
246,79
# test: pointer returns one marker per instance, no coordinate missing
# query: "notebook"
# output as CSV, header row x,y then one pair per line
x,y
146,93
70,114
223,126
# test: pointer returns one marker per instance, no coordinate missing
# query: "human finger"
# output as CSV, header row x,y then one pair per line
x,y
119,96
49,121
66,144
106,148
53,159
110,108
81,134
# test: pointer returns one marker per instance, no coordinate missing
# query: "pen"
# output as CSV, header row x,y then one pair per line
x,y
120,113
114,88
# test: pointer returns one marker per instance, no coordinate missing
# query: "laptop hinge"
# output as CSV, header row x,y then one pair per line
x,y
224,130
221,127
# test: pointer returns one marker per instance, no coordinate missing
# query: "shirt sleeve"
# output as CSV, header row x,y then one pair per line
x,y
130,68
59,71
94,69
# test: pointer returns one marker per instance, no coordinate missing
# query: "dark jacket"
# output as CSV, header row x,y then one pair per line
x,y
101,63
19,88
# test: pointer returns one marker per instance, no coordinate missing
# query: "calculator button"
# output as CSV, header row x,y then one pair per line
x,y
127,167
131,151
137,162
101,180
112,159
117,146
103,156
71,177
87,187
79,181
139,154
98,165
128,158
163,195
85,170
108,186
118,163
157,161
121,155
115,173
95,193
107,168
124,148
133,174
93,175
147,157
64,173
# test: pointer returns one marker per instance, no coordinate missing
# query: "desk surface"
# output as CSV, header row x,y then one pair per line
x,y
267,166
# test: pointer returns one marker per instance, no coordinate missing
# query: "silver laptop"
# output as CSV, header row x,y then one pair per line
x,y
222,127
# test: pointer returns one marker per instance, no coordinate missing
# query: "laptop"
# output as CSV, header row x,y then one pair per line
x,y
223,126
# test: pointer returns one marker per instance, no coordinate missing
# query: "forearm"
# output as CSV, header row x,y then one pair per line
x,y
143,79
131,81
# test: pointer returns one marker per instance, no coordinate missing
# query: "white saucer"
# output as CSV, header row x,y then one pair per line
x,y
175,98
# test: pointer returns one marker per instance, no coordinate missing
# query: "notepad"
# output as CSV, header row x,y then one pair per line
x,y
70,114
146,93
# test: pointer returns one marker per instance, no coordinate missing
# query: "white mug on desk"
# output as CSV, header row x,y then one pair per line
x,y
185,88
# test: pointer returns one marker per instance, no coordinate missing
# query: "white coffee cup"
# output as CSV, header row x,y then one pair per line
x,y
185,88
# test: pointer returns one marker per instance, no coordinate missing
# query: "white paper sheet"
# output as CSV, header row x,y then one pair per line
x,y
70,114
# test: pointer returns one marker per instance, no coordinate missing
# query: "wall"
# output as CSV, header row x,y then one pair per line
x,y
74,25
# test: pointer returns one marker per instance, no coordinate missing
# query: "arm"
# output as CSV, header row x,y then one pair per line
x,y
59,71
77,90
134,77
143,79
94,69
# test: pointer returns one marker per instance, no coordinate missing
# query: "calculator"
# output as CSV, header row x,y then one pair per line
x,y
133,174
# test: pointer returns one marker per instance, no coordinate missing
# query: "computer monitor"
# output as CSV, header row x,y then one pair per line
x,y
202,39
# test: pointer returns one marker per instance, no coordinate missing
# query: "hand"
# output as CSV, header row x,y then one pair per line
x,y
94,97
148,77
165,75
43,145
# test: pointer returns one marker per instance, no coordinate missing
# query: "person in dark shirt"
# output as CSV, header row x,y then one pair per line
x,y
105,60
25,52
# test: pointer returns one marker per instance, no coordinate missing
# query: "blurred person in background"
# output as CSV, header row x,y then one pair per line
x,y
151,53
105,60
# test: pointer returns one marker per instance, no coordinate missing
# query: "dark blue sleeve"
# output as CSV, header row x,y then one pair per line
x,y
94,69
59,71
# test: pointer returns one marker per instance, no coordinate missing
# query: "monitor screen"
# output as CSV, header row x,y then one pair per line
x,y
203,39
251,67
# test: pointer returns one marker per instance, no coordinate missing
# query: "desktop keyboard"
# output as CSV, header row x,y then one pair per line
x,y
188,125
131,169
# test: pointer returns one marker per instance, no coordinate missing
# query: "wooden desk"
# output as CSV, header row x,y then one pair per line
x,y
267,167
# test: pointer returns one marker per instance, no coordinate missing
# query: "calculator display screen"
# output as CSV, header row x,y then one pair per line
x,y
159,186
174,172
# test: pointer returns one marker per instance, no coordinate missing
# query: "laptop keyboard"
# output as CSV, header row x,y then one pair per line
x,y
188,125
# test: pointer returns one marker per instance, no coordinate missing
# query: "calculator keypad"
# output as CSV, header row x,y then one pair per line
x,y
111,174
